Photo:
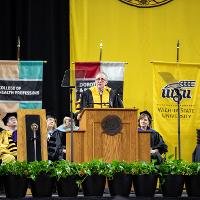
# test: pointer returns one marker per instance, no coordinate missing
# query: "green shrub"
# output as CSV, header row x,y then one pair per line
x,y
93,167
14,168
37,168
117,167
173,167
63,169
138,168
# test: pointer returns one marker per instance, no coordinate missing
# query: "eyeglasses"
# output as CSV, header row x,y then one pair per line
x,y
100,79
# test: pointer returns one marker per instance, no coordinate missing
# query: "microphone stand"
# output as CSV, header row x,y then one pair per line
x,y
64,84
72,127
34,128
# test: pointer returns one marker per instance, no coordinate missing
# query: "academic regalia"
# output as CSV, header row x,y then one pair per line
x,y
157,142
54,145
8,147
14,136
196,153
63,129
92,99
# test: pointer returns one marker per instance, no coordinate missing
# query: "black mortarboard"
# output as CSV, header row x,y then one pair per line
x,y
8,115
146,113
51,115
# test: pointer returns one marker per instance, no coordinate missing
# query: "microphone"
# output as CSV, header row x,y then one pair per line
x,y
100,93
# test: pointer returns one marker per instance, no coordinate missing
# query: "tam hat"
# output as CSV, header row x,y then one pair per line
x,y
8,115
146,113
51,115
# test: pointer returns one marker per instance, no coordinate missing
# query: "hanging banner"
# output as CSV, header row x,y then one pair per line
x,y
20,85
85,73
169,81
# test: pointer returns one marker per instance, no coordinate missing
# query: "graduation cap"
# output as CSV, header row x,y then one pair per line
x,y
51,115
146,113
8,115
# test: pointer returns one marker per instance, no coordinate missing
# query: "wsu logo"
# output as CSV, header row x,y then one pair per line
x,y
178,90
145,3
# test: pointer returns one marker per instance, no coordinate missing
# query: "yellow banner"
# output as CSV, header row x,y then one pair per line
x,y
171,80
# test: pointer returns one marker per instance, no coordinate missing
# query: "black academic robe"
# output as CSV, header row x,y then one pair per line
x,y
157,142
54,145
87,100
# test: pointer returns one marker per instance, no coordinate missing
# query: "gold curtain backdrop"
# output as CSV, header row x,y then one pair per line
x,y
137,36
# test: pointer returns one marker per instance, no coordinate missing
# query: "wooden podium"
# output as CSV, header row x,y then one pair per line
x,y
94,142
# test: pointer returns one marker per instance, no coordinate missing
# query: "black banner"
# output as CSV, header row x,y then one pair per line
x,y
20,90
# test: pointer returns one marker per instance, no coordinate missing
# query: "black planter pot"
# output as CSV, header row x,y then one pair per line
x,y
192,185
145,185
15,186
172,185
67,187
43,186
94,185
120,184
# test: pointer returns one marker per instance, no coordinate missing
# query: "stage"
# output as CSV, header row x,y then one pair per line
x,y
107,196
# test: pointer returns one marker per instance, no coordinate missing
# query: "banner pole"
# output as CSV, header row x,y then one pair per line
x,y
178,105
177,51
18,48
101,49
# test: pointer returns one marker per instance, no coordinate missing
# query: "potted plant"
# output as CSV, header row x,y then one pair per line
x,y
172,177
93,177
66,174
41,179
192,179
15,179
119,178
145,175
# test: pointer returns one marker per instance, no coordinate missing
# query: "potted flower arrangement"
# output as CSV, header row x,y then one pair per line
x,y
119,178
67,178
172,177
15,179
192,179
93,177
41,179
145,177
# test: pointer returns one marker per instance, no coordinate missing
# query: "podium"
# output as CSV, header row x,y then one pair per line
x,y
109,134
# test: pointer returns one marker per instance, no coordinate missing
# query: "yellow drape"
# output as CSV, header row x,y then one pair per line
x,y
137,36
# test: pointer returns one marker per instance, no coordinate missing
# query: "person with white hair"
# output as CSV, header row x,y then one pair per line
x,y
100,95
54,139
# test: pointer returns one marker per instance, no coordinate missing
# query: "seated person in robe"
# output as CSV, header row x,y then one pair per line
x,y
66,127
158,146
8,148
54,139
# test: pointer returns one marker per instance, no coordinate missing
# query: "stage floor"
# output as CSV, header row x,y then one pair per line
x,y
107,196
